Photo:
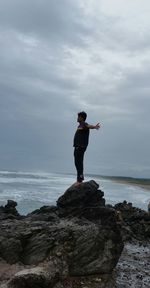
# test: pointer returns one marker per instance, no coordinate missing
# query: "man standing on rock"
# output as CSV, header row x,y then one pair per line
x,y
81,139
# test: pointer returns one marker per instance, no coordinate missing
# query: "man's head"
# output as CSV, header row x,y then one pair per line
x,y
81,116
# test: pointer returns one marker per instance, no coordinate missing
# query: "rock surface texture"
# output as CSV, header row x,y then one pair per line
x,y
75,244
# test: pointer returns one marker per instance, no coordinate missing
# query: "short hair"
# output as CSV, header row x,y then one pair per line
x,y
83,115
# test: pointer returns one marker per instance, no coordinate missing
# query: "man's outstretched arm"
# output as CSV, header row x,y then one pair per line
x,y
97,126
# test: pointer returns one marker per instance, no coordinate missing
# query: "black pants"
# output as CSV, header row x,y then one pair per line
x,y
78,160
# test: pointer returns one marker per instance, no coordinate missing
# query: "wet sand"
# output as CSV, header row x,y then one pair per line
x,y
143,186
142,183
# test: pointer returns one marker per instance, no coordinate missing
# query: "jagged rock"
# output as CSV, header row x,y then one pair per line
x,y
84,200
83,195
9,211
135,223
79,237
45,213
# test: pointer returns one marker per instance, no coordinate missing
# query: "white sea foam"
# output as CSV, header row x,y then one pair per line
x,y
33,190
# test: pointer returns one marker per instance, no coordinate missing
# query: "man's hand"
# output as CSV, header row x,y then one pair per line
x,y
97,126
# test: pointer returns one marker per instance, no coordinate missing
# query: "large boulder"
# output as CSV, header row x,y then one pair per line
x,y
86,201
85,248
81,200
79,237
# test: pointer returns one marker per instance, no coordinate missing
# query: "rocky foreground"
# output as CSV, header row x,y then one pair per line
x,y
81,242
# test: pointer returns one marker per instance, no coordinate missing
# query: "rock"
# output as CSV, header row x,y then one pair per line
x,y
79,237
35,277
9,211
82,200
11,204
7,271
135,222
10,248
87,193
96,250
45,213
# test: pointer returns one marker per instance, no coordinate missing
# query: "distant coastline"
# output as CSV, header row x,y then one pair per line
x,y
140,182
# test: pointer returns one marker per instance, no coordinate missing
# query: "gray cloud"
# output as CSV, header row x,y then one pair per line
x,y
56,21
59,57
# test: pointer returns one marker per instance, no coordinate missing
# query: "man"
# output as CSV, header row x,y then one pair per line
x,y
80,144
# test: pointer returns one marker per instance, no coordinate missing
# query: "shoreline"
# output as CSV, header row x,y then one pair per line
x,y
143,186
142,183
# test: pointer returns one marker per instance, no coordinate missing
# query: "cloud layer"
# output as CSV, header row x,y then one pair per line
x,y
60,57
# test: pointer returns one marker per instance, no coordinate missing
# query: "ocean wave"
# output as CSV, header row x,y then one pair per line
x,y
24,175
45,188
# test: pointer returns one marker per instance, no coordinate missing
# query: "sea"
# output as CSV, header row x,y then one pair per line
x,y
34,190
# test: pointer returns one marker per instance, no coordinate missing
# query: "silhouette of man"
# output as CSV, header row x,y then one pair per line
x,y
80,143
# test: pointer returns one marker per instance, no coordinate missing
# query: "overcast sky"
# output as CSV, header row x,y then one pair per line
x,y
59,57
